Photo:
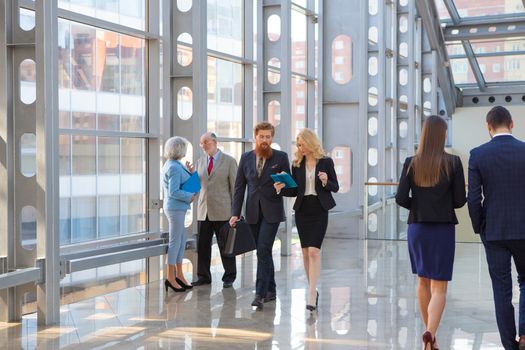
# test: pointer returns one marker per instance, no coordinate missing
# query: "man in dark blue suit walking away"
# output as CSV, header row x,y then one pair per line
x,y
264,207
496,203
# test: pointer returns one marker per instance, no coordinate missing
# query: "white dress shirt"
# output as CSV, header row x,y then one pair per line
x,y
502,134
309,188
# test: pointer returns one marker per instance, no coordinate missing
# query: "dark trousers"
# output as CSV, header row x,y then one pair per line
x,y
206,230
264,233
499,255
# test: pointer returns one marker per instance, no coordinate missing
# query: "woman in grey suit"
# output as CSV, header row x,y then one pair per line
x,y
176,204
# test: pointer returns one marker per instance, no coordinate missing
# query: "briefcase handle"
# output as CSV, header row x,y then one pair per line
x,y
241,218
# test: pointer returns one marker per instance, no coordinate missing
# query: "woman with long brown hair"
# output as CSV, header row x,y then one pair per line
x,y
431,186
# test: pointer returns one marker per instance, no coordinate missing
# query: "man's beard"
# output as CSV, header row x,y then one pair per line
x,y
265,152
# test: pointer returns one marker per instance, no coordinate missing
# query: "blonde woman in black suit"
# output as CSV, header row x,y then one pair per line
x,y
316,180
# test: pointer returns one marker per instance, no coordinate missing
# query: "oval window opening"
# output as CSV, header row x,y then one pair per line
x,y
273,70
403,50
342,157
185,103
28,227
28,154
372,66
372,190
372,126
372,96
372,222
27,76
27,19
403,129
342,59
403,77
274,27
184,5
372,156
184,50
274,112
427,85
372,35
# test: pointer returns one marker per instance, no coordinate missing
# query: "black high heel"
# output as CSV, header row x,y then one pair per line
x,y
312,308
182,284
168,284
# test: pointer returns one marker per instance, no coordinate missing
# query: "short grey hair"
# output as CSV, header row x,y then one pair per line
x,y
175,148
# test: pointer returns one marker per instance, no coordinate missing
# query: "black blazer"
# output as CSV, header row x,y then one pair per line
x,y
323,193
437,203
261,193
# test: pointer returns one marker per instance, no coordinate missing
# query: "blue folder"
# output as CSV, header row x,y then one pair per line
x,y
193,184
285,178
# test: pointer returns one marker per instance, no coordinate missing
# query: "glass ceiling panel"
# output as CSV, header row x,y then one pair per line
x,y
469,8
462,71
442,10
499,45
455,49
502,68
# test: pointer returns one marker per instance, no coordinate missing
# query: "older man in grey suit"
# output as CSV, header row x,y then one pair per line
x,y
217,172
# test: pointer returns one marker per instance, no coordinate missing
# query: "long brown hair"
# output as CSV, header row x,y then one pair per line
x,y
430,161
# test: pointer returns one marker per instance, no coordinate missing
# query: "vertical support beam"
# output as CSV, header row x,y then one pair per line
x,y
7,297
248,68
167,63
200,74
385,70
418,98
311,21
434,81
261,77
320,68
361,157
286,108
153,113
412,54
48,293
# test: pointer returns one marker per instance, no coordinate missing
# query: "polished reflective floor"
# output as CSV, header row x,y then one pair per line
x,y
367,301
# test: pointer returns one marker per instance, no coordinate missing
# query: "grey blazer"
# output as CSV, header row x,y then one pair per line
x,y
216,194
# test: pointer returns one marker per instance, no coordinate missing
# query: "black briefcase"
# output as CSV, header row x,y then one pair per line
x,y
236,240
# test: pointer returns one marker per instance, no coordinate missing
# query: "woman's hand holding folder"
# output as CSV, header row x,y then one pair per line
x,y
279,185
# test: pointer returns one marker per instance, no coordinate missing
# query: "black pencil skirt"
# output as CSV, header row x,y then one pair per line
x,y
311,220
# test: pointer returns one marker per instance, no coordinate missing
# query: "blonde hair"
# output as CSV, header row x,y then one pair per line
x,y
310,140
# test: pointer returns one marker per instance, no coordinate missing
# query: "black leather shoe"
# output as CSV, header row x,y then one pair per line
x,y
200,283
227,284
258,301
270,296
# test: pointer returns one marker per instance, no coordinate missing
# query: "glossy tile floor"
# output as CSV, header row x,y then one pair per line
x,y
367,301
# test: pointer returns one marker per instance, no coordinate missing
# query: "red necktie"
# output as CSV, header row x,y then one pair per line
x,y
210,165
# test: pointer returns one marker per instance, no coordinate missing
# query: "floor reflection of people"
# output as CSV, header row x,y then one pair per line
x,y
229,305
265,324
311,341
197,323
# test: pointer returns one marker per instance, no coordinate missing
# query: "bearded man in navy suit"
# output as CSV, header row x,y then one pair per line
x,y
264,207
